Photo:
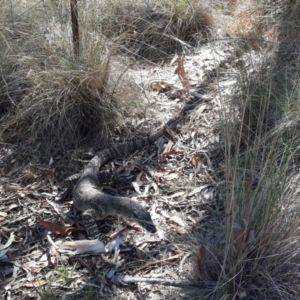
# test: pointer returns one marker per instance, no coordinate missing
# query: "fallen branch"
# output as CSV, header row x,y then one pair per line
x,y
155,262
178,283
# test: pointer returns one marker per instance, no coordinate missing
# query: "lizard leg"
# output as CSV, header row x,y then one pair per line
x,y
89,218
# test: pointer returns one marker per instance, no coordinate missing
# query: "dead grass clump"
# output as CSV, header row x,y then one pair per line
x,y
49,99
55,102
5,69
64,104
157,30
256,254
261,98
262,226
268,88
262,223
254,21
7,86
289,35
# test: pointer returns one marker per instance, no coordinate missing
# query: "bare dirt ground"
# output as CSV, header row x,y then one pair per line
x,y
179,182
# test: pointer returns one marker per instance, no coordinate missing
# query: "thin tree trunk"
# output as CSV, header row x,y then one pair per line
x,y
75,27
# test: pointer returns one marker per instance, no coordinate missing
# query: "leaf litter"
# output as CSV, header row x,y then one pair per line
x,y
177,181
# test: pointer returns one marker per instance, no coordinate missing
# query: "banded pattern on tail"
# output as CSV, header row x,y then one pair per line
x,y
94,204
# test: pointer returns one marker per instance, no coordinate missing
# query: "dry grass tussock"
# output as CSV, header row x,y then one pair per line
x,y
258,257
254,21
157,29
49,99
63,102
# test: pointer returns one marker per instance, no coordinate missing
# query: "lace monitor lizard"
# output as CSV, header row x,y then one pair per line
x,y
95,204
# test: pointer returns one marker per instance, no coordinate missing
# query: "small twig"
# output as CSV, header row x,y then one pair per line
x,y
183,261
51,241
155,262
178,283
177,40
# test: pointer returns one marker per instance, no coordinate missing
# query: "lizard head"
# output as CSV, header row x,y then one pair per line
x,y
142,216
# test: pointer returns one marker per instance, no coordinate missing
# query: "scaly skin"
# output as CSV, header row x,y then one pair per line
x,y
94,204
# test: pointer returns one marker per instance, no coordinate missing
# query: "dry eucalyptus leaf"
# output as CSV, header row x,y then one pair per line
x,y
178,220
51,161
60,209
35,284
165,214
161,234
65,231
151,185
172,152
175,195
5,248
180,71
136,187
170,176
138,179
3,215
195,162
198,189
127,168
180,230
168,147
90,246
